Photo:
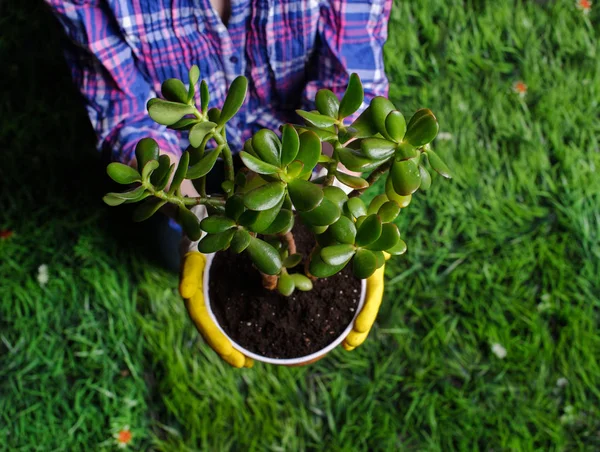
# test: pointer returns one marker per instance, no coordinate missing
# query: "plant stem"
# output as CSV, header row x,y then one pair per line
x,y
332,166
184,201
227,157
291,243
373,177
269,282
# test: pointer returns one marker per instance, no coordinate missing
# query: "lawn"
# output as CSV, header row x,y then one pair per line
x,y
506,253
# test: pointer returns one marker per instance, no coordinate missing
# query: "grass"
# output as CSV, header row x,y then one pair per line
x,y
508,252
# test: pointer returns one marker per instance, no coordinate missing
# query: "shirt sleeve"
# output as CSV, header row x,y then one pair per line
x,y
350,38
114,89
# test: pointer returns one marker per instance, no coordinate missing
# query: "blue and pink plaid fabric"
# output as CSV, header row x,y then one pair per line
x,y
123,49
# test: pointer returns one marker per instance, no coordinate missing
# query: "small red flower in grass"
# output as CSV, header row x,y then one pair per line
x,y
5,233
123,437
585,6
520,88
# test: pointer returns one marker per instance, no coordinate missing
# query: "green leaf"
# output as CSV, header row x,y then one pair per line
x,y
134,195
405,177
438,164
164,163
267,146
146,149
260,221
216,224
149,169
351,181
376,203
319,268
256,165
405,151
378,148
302,282
355,207
290,143
324,214
353,97
199,132
422,128
240,241
304,194
399,248
285,285
113,200
234,207
122,174
364,264
324,135
356,161
167,113
180,172
388,239
165,179
265,196
174,90
211,243
184,124
364,125
265,257
337,254
425,178
294,169
317,120
380,258
148,208
380,109
292,260
336,195
327,103
343,230
395,125
189,223
389,211
309,152
193,75
234,100
403,201
206,163
369,230
282,223
204,96
214,114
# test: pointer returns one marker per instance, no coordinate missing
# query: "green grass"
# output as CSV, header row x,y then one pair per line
x,y
507,252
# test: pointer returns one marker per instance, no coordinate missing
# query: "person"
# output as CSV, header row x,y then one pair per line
x,y
120,51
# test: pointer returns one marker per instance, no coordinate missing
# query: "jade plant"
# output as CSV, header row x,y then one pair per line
x,y
254,213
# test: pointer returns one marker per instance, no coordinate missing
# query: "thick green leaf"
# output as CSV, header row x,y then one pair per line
x,y
193,75
336,195
240,241
422,128
174,90
256,165
317,120
294,169
167,113
327,103
285,285
425,178
267,147
359,221
302,282
376,203
395,125
304,194
405,151
180,172
148,208
260,221
199,132
405,177
400,248
214,114
378,148
113,200
364,125
324,135
369,230
216,224
122,174
134,195
438,164
355,207
337,254
164,163
189,223
184,124
353,97
309,152
290,143
351,181
211,243
204,96
149,169
292,260
234,207
343,230
388,239
324,214
319,268
165,179
265,197
234,100
146,149
389,211
265,257
355,160
206,163
364,264
282,223
380,109
403,201
380,258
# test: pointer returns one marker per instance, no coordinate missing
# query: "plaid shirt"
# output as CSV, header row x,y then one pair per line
x,y
123,49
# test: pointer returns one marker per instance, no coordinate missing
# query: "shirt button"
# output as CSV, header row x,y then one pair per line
x,y
233,59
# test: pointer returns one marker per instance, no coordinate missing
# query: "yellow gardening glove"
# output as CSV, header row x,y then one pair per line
x,y
365,319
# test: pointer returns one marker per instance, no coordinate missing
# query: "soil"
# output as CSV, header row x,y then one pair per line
x,y
270,324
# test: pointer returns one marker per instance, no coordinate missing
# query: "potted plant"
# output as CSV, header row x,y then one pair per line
x,y
293,252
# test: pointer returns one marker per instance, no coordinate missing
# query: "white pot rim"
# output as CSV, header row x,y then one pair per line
x,y
285,361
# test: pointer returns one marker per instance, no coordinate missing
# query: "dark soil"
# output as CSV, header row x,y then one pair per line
x,y
267,323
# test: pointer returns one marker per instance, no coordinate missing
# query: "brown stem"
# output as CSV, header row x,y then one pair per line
x,y
373,177
269,282
291,243
307,265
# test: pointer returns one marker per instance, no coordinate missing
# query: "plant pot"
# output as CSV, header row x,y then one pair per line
x,y
298,361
